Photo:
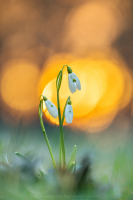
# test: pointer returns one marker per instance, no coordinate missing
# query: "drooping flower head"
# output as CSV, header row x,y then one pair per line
x,y
73,81
69,112
51,107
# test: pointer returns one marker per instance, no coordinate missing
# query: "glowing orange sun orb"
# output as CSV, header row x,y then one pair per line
x,y
106,87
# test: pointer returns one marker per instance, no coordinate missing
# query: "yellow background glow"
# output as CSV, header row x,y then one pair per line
x,y
106,87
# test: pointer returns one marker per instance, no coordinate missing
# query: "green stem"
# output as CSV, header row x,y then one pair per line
x,y
47,141
64,66
62,145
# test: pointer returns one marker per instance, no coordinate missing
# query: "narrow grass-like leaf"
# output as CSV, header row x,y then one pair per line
x,y
72,158
40,173
72,167
22,157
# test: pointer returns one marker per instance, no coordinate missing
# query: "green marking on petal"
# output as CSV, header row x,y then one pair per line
x,y
70,111
74,80
52,106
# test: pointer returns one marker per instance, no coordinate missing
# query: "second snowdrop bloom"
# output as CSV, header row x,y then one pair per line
x,y
73,81
69,114
51,108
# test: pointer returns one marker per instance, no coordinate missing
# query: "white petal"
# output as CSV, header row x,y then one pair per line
x,y
72,86
72,75
51,108
69,114
78,85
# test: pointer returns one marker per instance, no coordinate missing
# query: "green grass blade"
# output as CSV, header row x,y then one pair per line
x,y
72,158
22,157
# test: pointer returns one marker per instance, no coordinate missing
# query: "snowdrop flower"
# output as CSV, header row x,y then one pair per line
x,y
51,107
73,80
69,113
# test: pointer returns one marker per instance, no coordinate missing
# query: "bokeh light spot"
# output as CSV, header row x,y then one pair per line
x,y
19,85
93,24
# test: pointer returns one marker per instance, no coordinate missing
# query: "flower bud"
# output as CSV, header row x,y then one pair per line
x,y
41,108
69,102
45,98
69,69
58,80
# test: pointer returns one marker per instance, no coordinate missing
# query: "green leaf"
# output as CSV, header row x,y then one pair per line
x,y
72,158
58,80
41,108
63,116
22,157
73,167
40,173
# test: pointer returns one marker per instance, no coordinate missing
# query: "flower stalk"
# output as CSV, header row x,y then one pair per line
x,y
74,84
44,132
62,144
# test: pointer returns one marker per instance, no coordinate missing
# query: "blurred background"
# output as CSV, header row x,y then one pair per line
x,y
93,37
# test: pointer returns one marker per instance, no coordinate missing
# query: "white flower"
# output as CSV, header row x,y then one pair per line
x,y
51,108
68,114
74,82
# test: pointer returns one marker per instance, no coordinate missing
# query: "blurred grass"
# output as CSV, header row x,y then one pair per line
x,y
110,154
